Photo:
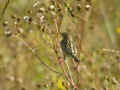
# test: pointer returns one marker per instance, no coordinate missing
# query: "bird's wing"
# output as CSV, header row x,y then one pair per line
x,y
69,47
73,47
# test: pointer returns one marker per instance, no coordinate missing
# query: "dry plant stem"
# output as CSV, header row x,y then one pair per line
x,y
69,72
84,26
61,62
78,73
80,41
111,50
73,61
77,70
57,36
67,75
58,47
4,9
81,38
34,53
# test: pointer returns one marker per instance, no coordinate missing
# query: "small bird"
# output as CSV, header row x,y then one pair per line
x,y
67,47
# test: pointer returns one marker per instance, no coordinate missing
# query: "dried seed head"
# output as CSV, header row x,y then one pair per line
x,y
36,4
8,32
41,10
30,20
78,7
15,23
18,20
30,11
20,30
87,7
5,23
53,13
26,18
42,18
13,16
52,7
58,9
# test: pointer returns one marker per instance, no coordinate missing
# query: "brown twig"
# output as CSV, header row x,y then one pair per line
x,y
62,63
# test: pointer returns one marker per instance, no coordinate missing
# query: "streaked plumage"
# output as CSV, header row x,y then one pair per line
x,y
67,47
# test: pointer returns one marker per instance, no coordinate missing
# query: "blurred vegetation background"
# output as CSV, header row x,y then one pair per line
x,y
29,44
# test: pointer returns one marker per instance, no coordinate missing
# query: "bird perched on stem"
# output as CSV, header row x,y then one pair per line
x,y
67,47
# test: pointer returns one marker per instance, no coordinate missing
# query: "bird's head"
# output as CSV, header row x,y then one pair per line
x,y
64,35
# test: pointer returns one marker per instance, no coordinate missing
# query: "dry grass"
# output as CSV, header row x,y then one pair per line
x,y
30,55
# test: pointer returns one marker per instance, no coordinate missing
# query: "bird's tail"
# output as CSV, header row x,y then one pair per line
x,y
75,58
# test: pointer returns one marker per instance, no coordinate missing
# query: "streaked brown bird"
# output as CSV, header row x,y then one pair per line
x,y
67,47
